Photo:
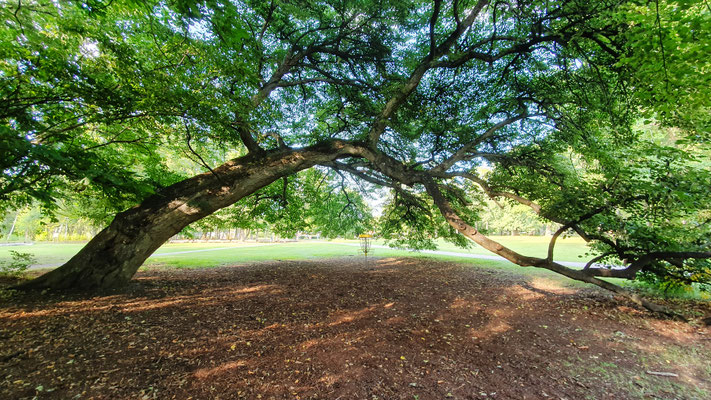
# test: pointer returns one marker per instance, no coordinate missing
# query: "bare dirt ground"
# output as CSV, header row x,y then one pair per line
x,y
341,329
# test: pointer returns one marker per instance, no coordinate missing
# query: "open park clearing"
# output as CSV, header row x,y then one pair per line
x,y
327,328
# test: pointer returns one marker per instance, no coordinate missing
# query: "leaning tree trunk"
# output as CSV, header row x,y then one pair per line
x,y
114,255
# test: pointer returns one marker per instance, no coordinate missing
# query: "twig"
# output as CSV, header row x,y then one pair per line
x,y
670,374
188,137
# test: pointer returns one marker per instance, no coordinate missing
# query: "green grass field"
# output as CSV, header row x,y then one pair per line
x,y
212,254
205,255
566,249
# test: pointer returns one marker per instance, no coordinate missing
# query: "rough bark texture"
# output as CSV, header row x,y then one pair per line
x,y
113,256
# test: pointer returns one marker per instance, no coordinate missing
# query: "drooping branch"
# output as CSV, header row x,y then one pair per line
x,y
525,261
396,185
565,227
491,193
626,273
349,202
188,138
364,175
531,204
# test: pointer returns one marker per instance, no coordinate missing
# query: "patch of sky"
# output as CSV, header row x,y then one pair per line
x,y
89,49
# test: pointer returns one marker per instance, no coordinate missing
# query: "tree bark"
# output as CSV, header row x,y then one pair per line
x,y
114,255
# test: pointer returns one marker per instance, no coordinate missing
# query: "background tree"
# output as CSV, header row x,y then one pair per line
x,y
511,218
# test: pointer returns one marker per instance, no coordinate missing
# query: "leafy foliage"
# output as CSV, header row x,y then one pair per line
x,y
18,265
312,201
666,51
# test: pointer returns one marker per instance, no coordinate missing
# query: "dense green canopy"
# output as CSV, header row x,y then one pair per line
x,y
595,114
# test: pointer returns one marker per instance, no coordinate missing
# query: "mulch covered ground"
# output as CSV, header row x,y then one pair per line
x,y
343,329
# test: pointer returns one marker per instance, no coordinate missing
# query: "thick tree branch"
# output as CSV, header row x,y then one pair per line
x,y
406,89
621,252
433,24
246,136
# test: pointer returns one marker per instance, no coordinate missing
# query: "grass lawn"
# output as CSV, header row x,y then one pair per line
x,y
567,249
228,253
201,255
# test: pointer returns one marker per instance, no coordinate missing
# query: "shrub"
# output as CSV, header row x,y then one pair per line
x,y
18,265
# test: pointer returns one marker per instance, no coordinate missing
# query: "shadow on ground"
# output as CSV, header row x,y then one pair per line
x,y
343,329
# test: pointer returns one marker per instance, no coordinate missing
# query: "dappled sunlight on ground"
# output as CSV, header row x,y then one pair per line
x,y
394,328
549,286
228,367
351,316
523,293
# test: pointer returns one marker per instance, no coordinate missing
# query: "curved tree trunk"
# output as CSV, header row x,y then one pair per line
x,y
114,255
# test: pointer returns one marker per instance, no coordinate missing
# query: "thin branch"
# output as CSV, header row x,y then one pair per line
x,y
349,202
596,259
658,22
187,139
113,142
307,81
360,174
17,10
457,60
569,225
493,194
459,154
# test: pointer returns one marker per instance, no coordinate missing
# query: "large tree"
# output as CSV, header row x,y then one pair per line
x,y
414,96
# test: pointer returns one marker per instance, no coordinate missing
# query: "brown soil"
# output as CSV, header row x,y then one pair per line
x,y
341,329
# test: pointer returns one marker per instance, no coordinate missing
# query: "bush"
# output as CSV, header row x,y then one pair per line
x,y
654,285
18,265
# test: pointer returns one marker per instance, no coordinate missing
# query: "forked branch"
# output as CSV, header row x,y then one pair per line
x,y
436,51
